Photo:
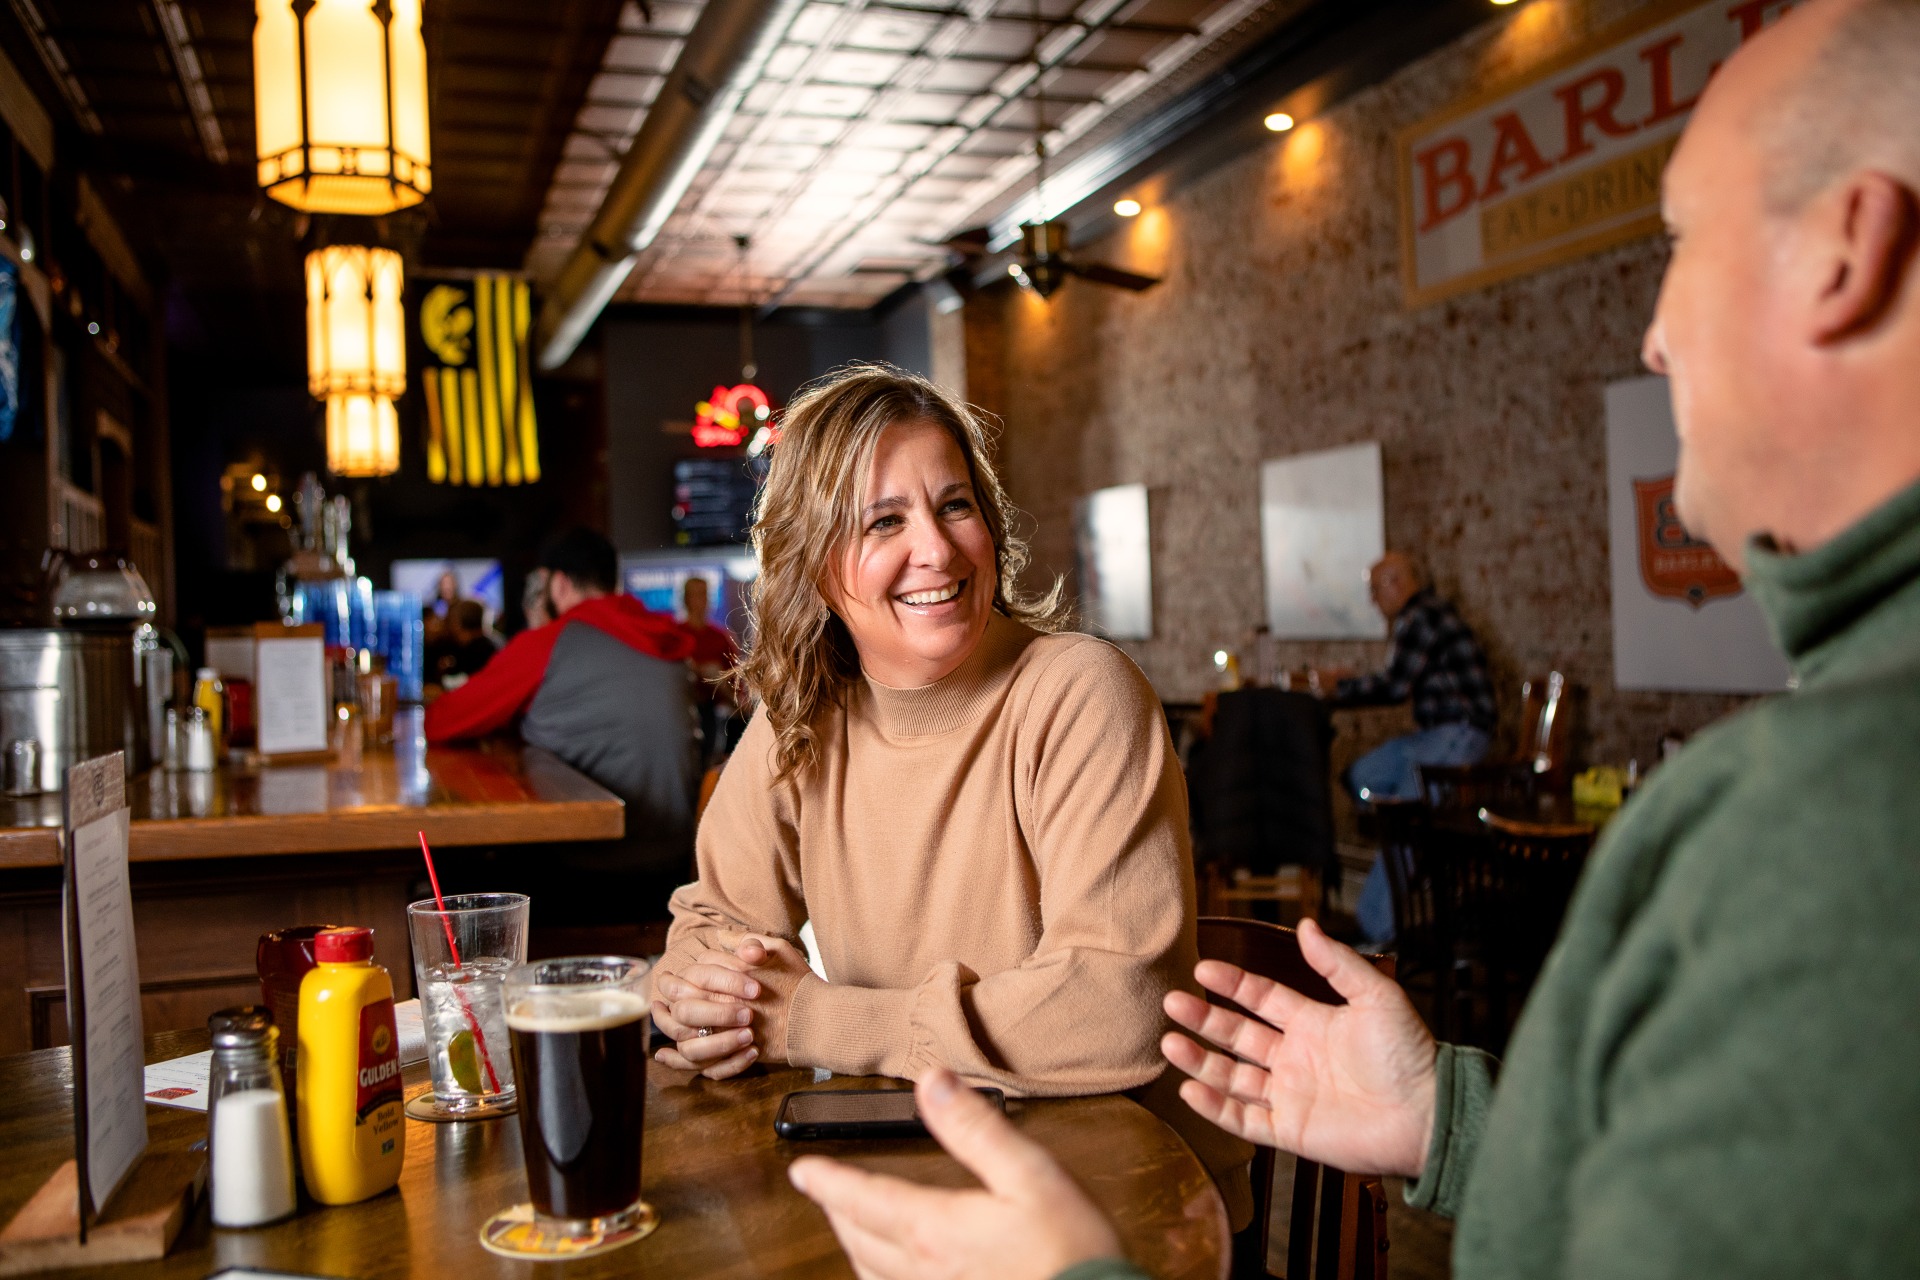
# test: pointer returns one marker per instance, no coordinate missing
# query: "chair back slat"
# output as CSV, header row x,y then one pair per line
x,y
1325,1221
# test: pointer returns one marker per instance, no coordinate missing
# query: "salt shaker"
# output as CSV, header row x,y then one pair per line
x,y
252,1150
200,742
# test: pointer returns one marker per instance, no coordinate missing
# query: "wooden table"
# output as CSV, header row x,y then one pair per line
x,y
713,1170
494,792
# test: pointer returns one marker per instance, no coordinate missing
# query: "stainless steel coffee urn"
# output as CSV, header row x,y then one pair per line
x,y
72,694
97,683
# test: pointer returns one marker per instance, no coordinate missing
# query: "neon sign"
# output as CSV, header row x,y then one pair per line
x,y
725,419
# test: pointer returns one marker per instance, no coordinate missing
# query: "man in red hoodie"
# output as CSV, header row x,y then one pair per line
x,y
604,686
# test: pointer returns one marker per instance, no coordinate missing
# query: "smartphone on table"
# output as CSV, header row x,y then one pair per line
x,y
857,1113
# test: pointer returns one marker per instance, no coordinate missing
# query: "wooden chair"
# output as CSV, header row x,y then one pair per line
x,y
1290,895
1420,881
1455,789
1337,1223
1514,882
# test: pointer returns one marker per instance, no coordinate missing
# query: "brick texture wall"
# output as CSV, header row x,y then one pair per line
x,y
1280,328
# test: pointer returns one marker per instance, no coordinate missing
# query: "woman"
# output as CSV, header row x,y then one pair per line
x,y
983,818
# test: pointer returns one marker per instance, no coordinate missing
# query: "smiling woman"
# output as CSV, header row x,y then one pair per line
x,y
982,817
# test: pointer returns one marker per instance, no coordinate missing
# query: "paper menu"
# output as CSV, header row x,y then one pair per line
x,y
290,689
103,981
180,1082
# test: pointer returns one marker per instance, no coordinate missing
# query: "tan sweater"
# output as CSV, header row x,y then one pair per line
x,y
996,867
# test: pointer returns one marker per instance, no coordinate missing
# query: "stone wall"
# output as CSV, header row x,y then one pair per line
x,y
1280,328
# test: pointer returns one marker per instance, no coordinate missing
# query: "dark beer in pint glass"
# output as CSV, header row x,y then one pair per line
x,y
579,1029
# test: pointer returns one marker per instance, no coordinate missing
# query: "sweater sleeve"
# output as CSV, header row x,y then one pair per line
x,y
1463,1089
747,852
1103,808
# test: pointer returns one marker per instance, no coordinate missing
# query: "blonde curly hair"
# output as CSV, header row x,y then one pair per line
x,y
802,658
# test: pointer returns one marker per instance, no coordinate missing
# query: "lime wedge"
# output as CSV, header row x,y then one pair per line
x,y
464,1061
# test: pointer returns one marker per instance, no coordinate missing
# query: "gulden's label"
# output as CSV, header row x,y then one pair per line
x,y
378,1082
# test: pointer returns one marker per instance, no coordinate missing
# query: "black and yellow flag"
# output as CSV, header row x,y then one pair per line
x,y
476,376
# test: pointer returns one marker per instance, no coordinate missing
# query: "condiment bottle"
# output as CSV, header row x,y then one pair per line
x,y
351,1144
252,1151
211,696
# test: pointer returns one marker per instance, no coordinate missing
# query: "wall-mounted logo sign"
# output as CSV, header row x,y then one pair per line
x,y
1680,618
725,419
1567,161
1673,563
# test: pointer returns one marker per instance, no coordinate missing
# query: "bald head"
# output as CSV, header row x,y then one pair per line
x,y
1789,319
1853,105
1392,581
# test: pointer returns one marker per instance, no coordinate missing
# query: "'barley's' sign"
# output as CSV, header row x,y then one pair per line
x,y
1568,160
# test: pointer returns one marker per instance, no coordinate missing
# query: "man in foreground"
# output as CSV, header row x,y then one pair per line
x,y
1716,1073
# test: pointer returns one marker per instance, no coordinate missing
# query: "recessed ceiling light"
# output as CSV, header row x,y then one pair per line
x,y
1279,122
1127,208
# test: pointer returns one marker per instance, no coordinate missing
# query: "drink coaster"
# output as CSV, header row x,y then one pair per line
x,y
512,1233
427,1106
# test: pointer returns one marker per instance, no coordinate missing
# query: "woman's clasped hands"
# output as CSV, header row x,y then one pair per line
x,y
727,1009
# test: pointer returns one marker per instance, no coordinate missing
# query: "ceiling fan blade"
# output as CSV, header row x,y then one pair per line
x,y
1101,273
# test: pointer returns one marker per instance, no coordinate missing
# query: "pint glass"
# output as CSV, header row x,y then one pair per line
x,y
579,1030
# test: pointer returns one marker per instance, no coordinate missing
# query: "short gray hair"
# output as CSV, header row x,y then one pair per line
x,y
1856,106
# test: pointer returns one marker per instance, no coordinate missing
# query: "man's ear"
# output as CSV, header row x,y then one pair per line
x,y
1870,232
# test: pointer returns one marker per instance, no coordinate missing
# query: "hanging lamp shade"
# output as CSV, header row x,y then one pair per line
x,y
356,325
340,104
363,435
357,355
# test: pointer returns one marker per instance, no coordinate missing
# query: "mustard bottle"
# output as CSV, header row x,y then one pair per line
x,y
350,1093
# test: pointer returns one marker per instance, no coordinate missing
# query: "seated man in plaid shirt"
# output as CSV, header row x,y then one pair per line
x,y
1437,665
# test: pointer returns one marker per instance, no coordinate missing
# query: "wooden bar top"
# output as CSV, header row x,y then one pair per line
x,y
712,1168
485,793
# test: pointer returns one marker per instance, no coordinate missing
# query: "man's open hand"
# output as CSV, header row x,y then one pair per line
x,y
1351,1086
1031,1222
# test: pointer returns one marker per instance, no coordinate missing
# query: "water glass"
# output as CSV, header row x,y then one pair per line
x,y
460,1000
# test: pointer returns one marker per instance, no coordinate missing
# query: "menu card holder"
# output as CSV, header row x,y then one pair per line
x,y
103,985
290,693
148,1193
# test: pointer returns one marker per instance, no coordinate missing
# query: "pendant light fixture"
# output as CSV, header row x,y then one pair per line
x,y
340,104
356,354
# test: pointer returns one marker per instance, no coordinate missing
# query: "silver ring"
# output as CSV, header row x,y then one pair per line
x,y
704,1031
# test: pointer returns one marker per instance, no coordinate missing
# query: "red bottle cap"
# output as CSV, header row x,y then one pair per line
x,y
343,946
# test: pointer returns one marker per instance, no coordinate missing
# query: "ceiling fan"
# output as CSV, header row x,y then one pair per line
x,y
1045,260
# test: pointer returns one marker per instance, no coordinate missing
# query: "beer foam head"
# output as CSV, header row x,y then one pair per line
x,y
586,1008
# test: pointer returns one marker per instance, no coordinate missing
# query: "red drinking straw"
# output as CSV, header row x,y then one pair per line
x,y
446,922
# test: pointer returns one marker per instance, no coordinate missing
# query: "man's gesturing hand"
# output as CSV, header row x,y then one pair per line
x,y
1347,1085
1030,1223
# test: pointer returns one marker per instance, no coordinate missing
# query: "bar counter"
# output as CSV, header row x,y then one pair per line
x,y
377,798
221,857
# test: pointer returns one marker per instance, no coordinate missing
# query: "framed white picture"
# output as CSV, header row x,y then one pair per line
x,y
1322,526
1111,543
